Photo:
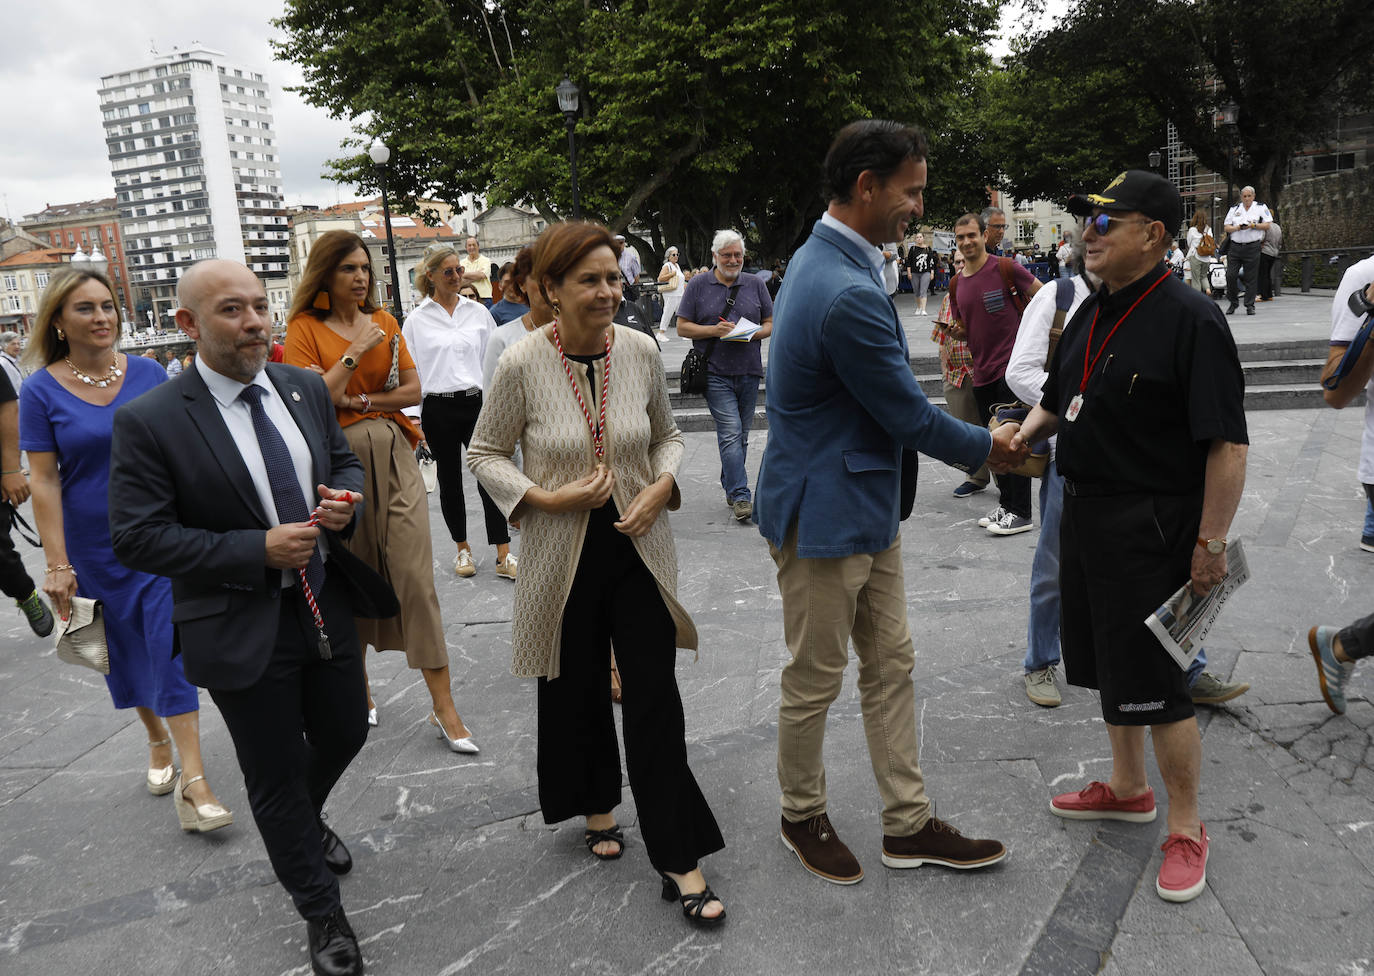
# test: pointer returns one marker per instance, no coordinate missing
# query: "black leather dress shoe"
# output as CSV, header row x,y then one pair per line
x,y
333,946
336,856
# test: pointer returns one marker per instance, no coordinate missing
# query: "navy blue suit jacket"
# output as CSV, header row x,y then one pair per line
x,y
842,402
182,505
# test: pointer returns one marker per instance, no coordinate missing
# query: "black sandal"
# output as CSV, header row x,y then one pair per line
x,y
693,903
612,835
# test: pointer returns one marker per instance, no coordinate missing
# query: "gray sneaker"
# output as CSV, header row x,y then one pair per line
x,y
1332,672
1010,524
1040,688
743,509
1208,689
994,516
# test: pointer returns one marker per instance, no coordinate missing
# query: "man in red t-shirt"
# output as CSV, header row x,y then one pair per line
x,y
985,303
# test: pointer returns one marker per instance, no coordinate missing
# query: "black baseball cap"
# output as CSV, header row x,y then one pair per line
x,y
1135,190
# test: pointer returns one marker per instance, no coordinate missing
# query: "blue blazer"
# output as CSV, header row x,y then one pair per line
x,y
842,402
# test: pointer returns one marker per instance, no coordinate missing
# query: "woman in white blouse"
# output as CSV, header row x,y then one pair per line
x,y
671,285
447,336
588,403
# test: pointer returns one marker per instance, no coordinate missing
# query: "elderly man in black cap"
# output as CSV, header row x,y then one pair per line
x,y
1146,392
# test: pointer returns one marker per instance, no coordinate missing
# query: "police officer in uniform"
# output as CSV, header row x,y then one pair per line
x,y
1146,394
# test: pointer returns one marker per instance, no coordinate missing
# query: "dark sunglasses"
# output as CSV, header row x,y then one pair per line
x,y
1102,223
452,272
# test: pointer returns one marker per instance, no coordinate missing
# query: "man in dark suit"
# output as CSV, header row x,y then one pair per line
x,y
212,479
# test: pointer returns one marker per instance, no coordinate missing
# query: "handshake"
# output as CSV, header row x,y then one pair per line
x,y
1009,449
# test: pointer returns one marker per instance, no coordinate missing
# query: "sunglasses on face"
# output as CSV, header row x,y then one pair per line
x,y
1102,223
452,272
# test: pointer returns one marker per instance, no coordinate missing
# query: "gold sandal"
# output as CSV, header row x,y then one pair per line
x,y
202,818
161,781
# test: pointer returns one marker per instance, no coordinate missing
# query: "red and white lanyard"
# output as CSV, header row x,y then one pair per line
x,y
597,427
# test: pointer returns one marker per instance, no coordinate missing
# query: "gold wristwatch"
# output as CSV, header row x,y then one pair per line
x,y
348,362
1215,546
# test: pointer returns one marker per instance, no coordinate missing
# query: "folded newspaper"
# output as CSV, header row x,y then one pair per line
x,y
1182,623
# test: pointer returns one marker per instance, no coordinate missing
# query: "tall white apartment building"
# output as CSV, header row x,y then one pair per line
x,y
197,171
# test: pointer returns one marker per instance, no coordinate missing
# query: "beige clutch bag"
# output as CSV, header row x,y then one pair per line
x,y
81,637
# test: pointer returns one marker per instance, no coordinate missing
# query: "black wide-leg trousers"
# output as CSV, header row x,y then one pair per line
x,y
614,598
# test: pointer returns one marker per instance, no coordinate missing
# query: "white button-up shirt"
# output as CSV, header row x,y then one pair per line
x,y
1257,213
448,349
238,417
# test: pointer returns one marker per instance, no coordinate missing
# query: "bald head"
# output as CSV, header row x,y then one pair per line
x,y
206,277
224,308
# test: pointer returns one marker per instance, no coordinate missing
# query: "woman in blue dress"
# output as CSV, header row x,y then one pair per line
x,y
66,412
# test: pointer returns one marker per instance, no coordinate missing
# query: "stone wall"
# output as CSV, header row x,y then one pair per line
x,y
1329,211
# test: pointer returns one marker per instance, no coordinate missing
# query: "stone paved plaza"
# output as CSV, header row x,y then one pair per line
x,y
456,872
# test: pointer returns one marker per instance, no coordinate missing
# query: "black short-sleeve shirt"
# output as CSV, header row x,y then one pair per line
x,y
6,389
1167,384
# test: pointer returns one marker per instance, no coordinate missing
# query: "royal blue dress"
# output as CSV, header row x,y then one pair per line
x,y
138,607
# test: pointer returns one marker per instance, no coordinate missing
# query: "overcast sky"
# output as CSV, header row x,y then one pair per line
x,y
52,145
52,142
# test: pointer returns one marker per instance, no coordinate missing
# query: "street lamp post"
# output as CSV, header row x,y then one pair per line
x,y
1155,158
1229,114
380,154
567,103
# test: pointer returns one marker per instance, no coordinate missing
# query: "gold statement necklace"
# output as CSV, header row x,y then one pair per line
x,y
101,382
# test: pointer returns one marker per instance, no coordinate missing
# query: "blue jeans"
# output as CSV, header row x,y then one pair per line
x,y
1368,515
732,400
1042,633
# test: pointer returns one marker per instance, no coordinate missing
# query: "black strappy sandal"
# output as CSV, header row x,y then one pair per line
x,y
614,835
693,903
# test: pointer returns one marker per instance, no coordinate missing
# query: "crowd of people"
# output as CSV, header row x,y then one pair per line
x,y
251,526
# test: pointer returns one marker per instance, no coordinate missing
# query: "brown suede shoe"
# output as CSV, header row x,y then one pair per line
x,y
939,843
821,851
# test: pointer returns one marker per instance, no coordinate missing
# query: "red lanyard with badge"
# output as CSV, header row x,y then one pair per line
x,y
598,426
1076,404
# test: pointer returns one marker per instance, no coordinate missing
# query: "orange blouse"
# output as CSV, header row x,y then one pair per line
x,y
309,342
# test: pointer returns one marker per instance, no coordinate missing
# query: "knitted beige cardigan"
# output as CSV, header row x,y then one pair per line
x,y
531,401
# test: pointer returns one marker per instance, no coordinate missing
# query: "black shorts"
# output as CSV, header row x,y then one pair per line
x,y
1121,556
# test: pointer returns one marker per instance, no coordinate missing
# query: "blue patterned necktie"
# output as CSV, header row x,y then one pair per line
x,y
281,475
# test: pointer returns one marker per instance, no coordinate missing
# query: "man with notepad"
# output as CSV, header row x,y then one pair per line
x,y
727,315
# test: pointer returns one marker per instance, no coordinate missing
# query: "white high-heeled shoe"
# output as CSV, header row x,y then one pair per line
x,y
464,745
160,781
201,818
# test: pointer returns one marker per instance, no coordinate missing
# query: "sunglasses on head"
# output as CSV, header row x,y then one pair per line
x,y
1102,223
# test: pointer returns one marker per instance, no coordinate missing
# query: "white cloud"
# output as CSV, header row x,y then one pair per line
x,y
56,53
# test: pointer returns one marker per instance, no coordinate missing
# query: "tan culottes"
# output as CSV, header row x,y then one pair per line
x,y
392,537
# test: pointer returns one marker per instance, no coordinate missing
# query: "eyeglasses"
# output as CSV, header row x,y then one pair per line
x,y
436,248
1102,223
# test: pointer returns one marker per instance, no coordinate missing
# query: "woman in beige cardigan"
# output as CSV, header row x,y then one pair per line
x,y
598,564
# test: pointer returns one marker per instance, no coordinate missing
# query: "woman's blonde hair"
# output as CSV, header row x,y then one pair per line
x,y
326,255
45,346
435,255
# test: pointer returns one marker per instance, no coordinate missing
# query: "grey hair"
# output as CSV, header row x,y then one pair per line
x,y
988,212
724,238
7,337
1244,188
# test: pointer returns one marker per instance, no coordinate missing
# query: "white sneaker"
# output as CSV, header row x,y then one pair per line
x,y
994,516
463,565
506,567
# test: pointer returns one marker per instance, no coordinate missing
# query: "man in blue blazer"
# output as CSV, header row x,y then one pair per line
x,y
212,479
842,403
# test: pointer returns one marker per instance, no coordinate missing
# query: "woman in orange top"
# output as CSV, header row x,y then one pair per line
x,y
336,328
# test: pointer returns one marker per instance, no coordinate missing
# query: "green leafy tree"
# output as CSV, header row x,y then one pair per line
x,y
693,116
1110,73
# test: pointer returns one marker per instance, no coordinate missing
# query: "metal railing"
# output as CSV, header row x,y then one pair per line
x,y
1320,267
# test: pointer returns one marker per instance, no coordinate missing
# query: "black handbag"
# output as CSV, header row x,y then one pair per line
x,y
692,377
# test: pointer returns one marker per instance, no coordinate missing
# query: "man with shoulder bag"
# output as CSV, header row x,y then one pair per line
x,y
712,306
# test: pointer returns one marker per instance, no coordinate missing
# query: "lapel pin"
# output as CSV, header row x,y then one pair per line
x,y
295,396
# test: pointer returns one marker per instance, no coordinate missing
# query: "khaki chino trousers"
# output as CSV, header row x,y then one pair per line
x,y
826,603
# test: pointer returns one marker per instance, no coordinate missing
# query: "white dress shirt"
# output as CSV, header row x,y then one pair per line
x,y
238,417
1026,373
1257,213
448,349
